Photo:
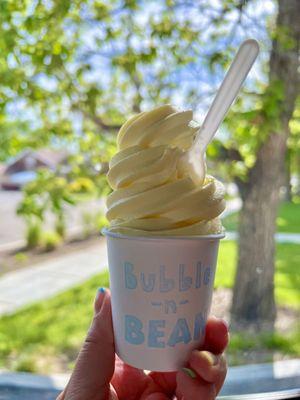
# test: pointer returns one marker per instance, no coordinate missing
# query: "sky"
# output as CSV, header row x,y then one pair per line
x,y
195,76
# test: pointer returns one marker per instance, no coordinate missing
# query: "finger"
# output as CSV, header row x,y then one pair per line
x,y
165,380
155,392
216,339
209,367
156,396
216,335
134,383
194,388
95,364
128,382
113,395
61,396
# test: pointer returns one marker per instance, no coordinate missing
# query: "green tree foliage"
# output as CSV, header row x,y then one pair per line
x,y
72,71
294,151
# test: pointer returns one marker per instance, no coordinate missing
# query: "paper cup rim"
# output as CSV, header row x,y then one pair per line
x,y
116,235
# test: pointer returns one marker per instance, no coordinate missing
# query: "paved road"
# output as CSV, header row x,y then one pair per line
x,y
12,226
12,230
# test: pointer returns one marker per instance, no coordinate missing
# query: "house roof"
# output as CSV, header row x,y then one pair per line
x,y
50,156
47,156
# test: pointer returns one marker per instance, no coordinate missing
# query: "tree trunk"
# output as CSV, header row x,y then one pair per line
x,y
253,302
286,178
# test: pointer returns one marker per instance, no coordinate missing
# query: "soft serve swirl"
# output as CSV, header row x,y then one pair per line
x,y
149,196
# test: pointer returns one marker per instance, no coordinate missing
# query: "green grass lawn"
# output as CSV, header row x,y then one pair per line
x,y
287,278
36,337
288,219
242,347
52,327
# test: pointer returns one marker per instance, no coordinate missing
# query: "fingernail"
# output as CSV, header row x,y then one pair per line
x,y
189,372
225,323
222,320
99,299
100,292
210,357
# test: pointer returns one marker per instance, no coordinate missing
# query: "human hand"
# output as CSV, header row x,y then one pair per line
x,y
100,375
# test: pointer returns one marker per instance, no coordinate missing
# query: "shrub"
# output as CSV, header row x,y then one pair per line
x,y
51,240
33,234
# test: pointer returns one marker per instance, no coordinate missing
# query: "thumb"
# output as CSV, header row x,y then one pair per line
x,y
95,364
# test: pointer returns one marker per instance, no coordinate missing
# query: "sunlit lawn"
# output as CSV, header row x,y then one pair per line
x,y
288,219
56,327
287,278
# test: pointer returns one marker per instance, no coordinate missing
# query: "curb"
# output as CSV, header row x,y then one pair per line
x,y
272,380
25,380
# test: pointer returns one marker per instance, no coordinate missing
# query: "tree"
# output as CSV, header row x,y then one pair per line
x,y
253,298
72,71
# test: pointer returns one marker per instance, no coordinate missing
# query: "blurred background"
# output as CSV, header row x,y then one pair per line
x,y
71,72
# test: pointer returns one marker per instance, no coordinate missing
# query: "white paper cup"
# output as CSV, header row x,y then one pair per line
x,y
161,290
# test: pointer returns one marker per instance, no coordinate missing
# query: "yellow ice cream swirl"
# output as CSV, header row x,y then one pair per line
x,y
149,196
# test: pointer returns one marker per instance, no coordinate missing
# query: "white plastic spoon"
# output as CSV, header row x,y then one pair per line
x,y
192,163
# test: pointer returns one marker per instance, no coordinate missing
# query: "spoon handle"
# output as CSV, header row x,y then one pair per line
x,y
227,92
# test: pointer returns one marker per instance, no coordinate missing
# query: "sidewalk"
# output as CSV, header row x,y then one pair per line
x,y
235,205
23,287
29,285
279,237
